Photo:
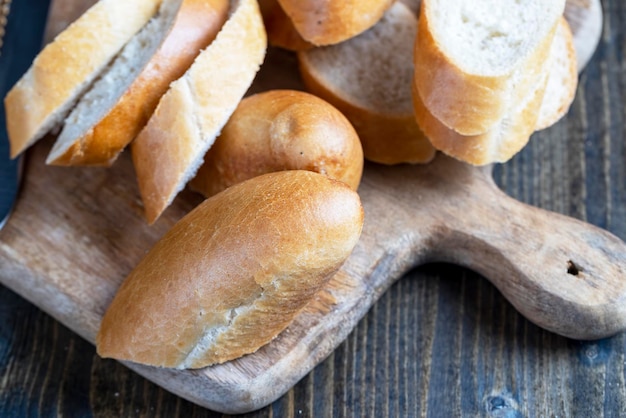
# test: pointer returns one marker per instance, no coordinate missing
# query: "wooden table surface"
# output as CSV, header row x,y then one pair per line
x,y
441,342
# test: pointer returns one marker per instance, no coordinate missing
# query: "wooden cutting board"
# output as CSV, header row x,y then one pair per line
x,y
76,233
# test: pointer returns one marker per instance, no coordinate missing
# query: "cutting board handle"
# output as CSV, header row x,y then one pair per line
x,y
563,274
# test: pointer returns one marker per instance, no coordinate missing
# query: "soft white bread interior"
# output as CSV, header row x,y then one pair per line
x,y
281,130
190,115
328,22
66,67
113,111
547,102
474,61
369,79
233,273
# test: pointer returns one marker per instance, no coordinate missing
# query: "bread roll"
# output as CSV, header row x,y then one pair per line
x,y
543,106
66,67
327,22
280,30
111,114
369,79
281,130
475,61
170,149
233,273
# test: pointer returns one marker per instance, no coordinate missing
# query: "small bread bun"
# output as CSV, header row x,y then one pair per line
x,y
111,114
280,30
169,150
328,22
368,78
281,130
233,273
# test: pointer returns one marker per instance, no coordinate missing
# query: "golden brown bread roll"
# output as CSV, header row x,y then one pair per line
x,y
281,130
280,30
327,22
233,273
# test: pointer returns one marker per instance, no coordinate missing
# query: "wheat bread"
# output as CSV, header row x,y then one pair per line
x,y
328,22
369,79
170,148
281,130
542,106
233,273
281,32
64,69
113,111
474,61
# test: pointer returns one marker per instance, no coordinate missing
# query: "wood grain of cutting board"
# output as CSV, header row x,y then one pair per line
x,y
77,232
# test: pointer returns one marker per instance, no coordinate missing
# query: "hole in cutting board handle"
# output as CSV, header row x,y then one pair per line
x,y
573,269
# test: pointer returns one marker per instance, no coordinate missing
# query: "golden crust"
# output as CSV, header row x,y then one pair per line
x,y
389,135
281,130
241,265
280,30
64,68
471,104
512,133
190,115
565,85
195,26
327,22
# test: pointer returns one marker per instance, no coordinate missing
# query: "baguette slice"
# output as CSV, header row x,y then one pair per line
x,y
563,78
474,61
369,79
543,106
281,130
233,273
328,22
111,114
65,68
170,149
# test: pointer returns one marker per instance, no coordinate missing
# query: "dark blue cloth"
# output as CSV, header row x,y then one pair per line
x,y
22,42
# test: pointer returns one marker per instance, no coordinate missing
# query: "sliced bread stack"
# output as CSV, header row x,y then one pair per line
x,y
481,71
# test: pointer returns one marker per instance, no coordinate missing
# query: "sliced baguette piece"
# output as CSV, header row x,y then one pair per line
x,y
328,22
369,79
281,32
474,61
113,111
563,78
234,272
64,69
190,115
544,105
281,130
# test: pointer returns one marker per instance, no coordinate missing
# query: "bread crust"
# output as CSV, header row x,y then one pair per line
x,y
195,26
239,267
281,130
170,148
563,79
472,104
513,132
65,67
327,22
389,136
281,32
